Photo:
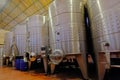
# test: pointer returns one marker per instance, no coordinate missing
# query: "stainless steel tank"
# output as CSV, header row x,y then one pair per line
x,y
8,43
38,32
105,24
67,31
20,37
105,27
1,55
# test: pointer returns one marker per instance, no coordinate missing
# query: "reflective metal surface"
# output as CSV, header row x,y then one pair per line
x,y
8,43
105,27
20,37
105,18
38,32
1,55
57,56
67,31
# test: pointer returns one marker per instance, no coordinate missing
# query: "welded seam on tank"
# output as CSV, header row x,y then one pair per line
x,y
106,34
108,10
66,12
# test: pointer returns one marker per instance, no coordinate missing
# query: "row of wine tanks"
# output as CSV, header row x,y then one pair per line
x,y
30,35
67,30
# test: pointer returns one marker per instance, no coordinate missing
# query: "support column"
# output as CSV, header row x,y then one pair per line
x,y
45,64
101,62
82,64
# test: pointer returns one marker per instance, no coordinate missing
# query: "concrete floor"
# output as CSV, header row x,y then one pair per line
x,y
8,73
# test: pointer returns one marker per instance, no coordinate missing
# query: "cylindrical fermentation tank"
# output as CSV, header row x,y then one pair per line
x,y
38,32
20,37
105,24
105,27
67,31
8,43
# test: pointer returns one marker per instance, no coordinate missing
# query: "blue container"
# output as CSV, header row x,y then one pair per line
x,y
17,64
23,65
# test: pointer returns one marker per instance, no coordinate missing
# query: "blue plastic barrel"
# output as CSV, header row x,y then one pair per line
x,y
23,65
17,64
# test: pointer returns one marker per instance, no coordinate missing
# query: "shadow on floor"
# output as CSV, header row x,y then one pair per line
x,y
112,74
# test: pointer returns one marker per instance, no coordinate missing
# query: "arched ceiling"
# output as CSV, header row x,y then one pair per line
x,y
16,11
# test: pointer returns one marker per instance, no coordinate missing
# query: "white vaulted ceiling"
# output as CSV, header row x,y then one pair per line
x,y
13,12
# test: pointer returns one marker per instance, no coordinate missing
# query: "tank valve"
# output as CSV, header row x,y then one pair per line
x,y
57,56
